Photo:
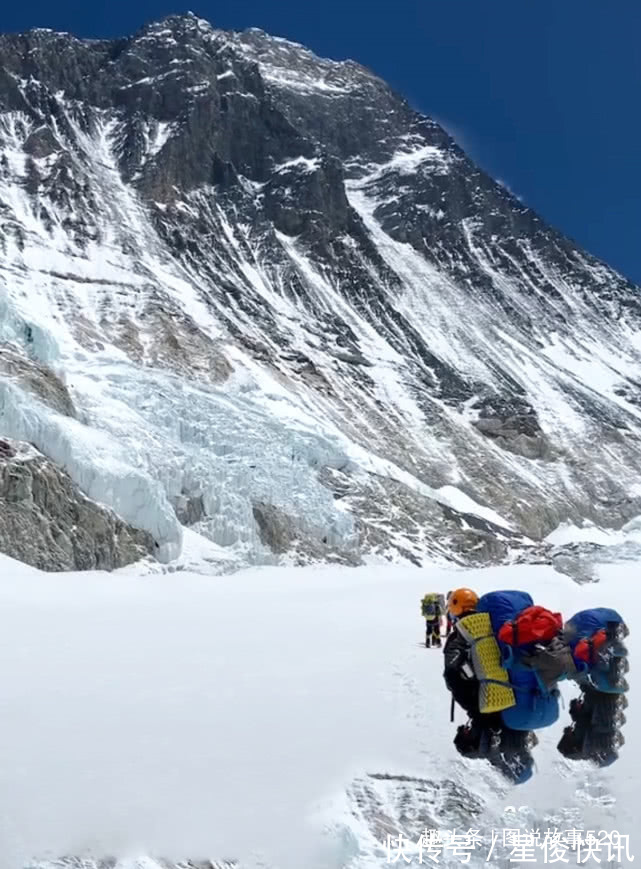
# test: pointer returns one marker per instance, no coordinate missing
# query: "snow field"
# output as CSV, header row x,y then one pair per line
x,y
226,717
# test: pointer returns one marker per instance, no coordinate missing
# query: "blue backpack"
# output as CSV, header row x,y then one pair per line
x,y
587,622
503,606
536,706
606,676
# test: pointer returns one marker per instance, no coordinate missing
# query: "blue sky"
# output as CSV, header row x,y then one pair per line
x,y
544,94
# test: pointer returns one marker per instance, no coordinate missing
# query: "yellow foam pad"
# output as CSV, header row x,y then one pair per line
x,y
486,662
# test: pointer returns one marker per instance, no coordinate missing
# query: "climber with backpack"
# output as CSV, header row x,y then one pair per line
x,y
501,666
503,663
485,735
595,638
432,606
458,671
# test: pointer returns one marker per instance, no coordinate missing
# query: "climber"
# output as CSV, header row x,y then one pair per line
x,y
501,713
595,638
432,606
458,672
503,662
513,648
481,736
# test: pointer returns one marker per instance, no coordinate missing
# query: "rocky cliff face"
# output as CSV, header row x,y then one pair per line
x,y
48,523
288,307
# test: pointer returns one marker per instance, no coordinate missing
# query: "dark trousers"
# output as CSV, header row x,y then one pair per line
x,y
433,632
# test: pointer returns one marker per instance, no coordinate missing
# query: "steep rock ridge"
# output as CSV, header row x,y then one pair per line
x,y
289,307
48,523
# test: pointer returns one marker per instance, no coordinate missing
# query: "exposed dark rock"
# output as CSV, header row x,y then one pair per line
x,y
514,425
7,450
176,343
41,143
286,535
48,523
35,378
388,510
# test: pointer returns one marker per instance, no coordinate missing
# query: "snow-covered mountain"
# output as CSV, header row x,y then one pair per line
x,y
291,315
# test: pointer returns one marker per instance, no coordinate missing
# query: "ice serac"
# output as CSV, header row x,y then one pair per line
x,y
48,523
253,291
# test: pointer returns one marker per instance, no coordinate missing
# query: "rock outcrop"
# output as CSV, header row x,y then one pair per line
x,y
48,523
36,378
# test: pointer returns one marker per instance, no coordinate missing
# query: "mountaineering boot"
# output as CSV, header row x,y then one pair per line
x,y
595,734
468,740
507,750
510,754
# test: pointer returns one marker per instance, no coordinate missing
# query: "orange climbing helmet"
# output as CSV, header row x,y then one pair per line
x,y
461,600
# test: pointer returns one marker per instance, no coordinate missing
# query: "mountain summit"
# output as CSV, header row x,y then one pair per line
x,y
287,312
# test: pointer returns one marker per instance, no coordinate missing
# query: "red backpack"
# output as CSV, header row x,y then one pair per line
x,y
587,646
534,624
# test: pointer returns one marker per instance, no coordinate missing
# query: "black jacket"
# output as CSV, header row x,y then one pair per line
x,y
465,689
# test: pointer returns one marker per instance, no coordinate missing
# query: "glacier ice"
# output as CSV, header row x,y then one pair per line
x,y
97,463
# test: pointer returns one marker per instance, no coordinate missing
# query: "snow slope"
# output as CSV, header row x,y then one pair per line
x,y
256,717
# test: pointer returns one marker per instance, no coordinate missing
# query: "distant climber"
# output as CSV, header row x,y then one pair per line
x,y
503,662
433,610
